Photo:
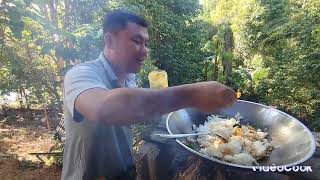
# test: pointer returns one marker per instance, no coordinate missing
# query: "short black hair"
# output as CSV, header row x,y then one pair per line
x,y
118,20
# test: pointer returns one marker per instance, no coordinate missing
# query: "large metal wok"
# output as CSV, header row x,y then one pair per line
x,y
294,142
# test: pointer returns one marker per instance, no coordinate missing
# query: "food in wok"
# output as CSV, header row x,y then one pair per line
x,y
293,141
243,144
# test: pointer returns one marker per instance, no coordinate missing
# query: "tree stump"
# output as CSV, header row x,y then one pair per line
x,y
146,165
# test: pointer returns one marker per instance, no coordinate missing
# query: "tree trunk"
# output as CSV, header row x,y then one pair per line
x,y
53,12
4,110
25,97
44,10
67,15
23,93
56,95
20,98
206,71
227,62
46,116
215,70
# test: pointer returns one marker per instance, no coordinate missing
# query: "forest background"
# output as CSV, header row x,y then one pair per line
x,y
269,50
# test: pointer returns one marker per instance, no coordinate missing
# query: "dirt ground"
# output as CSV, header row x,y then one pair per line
x,y
18,138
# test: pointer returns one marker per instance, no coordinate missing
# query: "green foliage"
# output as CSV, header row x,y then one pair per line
x,y
175,37
36,50
285,34
275,41
242,81
261,84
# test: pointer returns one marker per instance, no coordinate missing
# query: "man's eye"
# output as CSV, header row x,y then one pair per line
x,y
137,42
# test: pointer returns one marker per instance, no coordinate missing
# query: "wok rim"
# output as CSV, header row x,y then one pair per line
x,y
307,157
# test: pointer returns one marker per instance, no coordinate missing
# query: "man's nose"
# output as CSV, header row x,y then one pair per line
x,y
144,51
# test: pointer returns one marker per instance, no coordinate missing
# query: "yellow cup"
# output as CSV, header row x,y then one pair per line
x,y
158,79
238,94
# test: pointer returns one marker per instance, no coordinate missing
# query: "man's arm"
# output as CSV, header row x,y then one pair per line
x,y
132,105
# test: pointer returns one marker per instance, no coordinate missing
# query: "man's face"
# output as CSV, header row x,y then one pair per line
x,y
129,47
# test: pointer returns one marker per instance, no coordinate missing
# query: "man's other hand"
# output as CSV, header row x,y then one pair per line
x,y
211,96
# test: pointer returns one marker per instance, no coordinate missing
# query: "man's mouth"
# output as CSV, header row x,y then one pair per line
x,y
141,62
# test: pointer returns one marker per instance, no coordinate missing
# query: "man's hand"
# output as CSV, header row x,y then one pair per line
x,y
211,96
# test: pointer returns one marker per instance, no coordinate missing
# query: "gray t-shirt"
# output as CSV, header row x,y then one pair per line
x,y
93,149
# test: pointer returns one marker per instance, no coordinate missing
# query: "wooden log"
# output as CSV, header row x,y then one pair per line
x,y
47,154
146,164
191,172
316,136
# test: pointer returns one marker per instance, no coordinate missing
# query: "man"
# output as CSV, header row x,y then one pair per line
x,y
101,102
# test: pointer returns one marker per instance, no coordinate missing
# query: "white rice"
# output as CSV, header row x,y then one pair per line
x,y
244,149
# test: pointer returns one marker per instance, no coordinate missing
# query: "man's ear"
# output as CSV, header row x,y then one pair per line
x,y
108,40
